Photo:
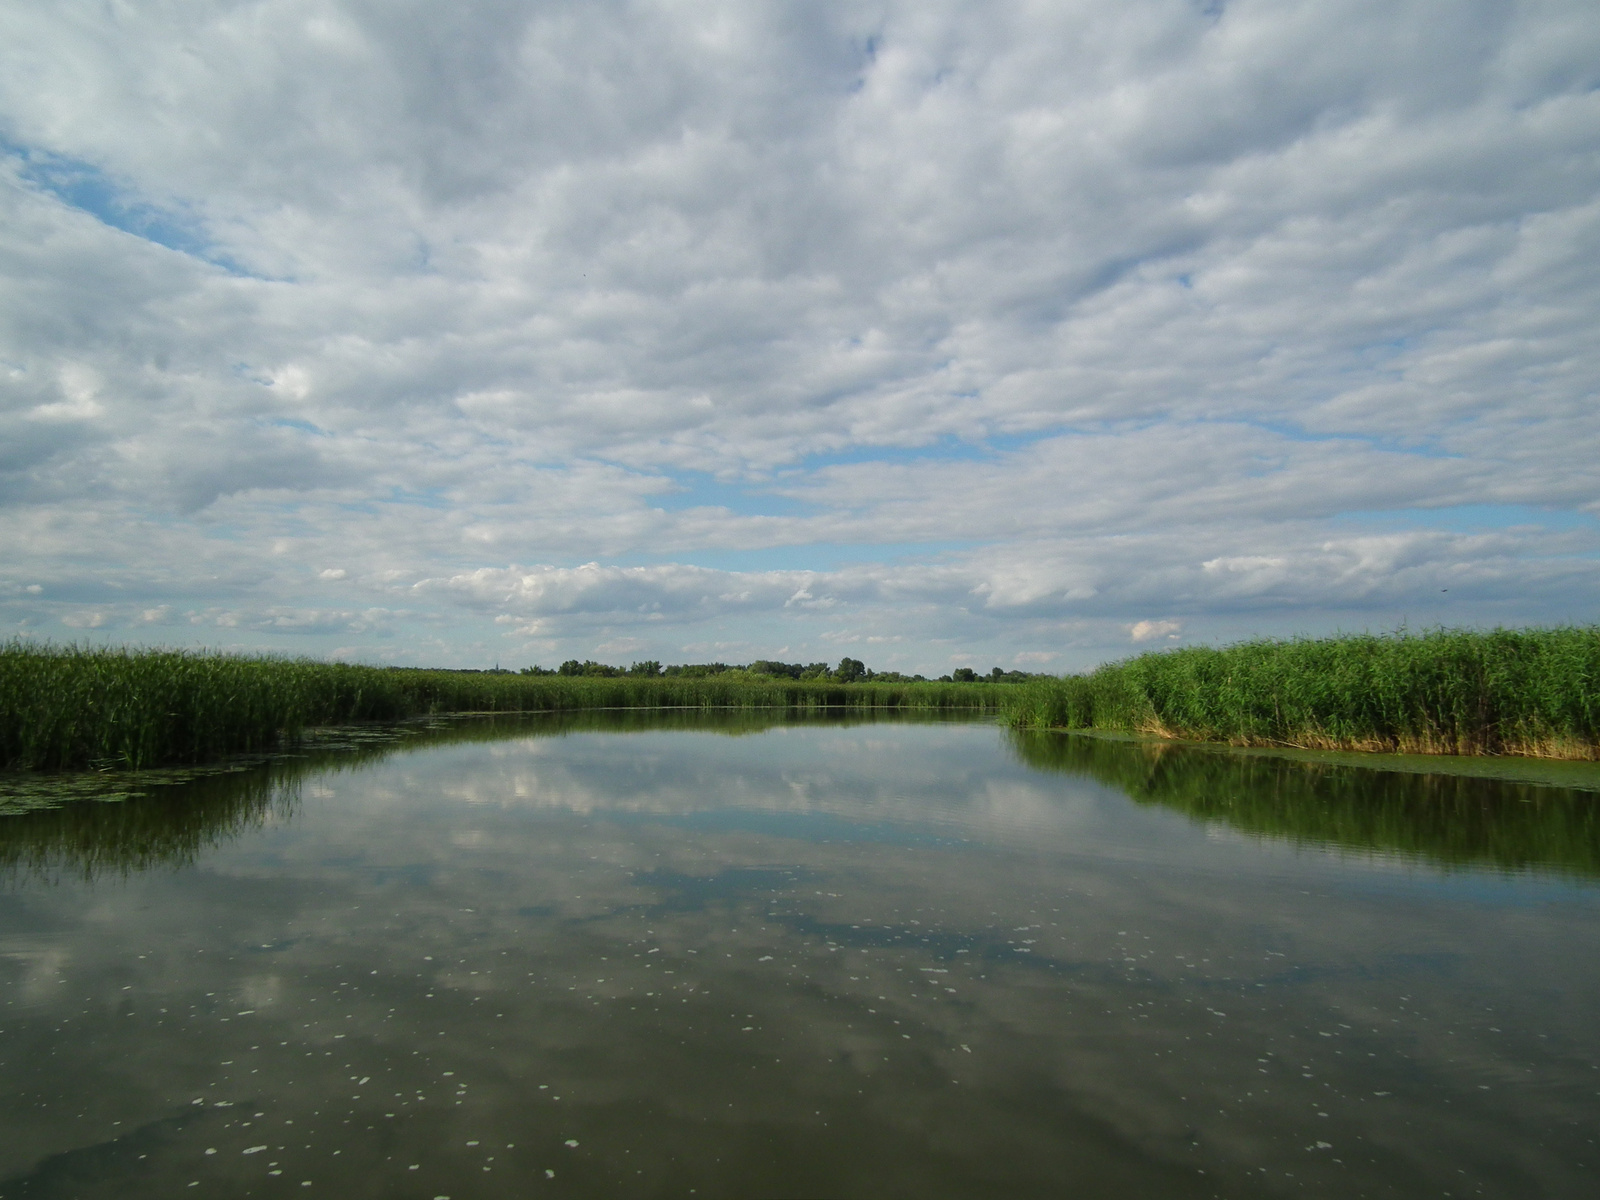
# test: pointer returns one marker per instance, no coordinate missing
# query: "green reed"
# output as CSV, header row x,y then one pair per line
x,y
74,707
1533,692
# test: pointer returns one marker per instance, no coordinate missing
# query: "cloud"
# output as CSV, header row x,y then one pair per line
x,y
991,325
592,589
1149,631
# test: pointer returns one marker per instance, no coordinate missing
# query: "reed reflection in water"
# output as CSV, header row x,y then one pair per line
x,y
1423,813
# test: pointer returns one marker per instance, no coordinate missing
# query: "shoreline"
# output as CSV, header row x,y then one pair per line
x,y
65,708
1578,774
1530,694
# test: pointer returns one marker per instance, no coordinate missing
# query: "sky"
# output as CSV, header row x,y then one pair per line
x,y
1030,334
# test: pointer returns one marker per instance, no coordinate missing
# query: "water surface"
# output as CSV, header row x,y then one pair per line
x,y
651,956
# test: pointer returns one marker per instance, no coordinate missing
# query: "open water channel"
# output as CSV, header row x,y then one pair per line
x,y
718,957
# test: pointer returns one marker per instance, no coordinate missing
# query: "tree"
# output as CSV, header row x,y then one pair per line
x,y
849,670
964,675
587,667
782,670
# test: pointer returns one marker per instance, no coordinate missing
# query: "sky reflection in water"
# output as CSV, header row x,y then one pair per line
x,y
866,959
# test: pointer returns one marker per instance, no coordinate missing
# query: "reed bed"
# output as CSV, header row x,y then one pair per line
x,y
1523,692
77,707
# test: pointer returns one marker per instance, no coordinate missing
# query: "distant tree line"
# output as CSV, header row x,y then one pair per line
x,y
849,670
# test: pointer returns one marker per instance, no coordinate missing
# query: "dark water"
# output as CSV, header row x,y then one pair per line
x,y
881,959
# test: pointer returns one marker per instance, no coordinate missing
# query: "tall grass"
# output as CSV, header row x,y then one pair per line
x,y
1529,692
74,707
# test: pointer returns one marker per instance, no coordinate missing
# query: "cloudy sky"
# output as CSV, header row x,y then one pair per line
x,y
932,333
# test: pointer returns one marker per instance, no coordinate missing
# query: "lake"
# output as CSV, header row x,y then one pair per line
x,y
674,955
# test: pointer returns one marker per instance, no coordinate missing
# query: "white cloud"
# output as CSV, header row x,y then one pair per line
x,y
990,325
1149,631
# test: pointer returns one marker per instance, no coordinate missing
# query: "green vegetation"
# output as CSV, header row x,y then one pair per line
x,y
70,707
1528,692
1447,820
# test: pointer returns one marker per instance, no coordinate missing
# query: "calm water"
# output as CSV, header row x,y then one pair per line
x,y
880,959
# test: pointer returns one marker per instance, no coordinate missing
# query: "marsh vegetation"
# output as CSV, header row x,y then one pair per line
x,y
1521,692
124,709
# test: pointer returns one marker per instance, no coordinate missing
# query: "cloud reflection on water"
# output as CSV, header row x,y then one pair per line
x,y
879,959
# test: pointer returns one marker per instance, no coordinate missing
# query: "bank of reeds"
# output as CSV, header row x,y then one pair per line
x,y
1526,692
74,707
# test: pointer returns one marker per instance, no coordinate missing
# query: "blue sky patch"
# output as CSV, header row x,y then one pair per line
x,y
86,187
697,490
